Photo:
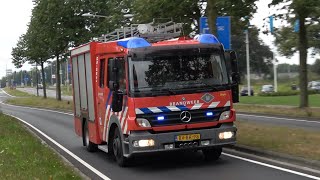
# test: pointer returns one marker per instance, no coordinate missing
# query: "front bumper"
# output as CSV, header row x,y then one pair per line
x,y
162,139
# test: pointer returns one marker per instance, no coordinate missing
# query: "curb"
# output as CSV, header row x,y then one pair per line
x,y
285,158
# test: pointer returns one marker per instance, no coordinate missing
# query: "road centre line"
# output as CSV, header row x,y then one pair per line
x,y
286,119
101,175
79,159
6,93
273,166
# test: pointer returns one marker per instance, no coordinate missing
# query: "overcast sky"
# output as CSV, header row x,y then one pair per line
x,y
15,15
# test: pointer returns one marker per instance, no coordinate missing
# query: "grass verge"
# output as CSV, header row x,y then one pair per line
x,y
14,92
291,141
40,102
278,110
314,100
22,156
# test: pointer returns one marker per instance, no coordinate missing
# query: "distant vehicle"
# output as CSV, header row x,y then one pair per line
x,y
267,88
40,86
314,85
244,91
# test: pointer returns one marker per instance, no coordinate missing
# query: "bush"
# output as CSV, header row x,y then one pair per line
x,y
288,93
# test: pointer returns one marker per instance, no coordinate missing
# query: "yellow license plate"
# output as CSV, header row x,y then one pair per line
x,y
188,137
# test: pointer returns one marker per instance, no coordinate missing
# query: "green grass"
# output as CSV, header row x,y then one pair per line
x,y
64,90
314,100
292,141
15,92
40,102
22,156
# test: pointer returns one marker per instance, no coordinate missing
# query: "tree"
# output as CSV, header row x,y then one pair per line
x,y
18,53
306,12
316,67
186,11
260,54
190,12
240,11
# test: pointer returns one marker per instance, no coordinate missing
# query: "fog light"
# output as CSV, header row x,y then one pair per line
x,y
143,143
205,143
168,146
226,135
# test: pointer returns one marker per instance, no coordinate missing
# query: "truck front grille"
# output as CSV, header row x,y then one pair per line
x,y
173,118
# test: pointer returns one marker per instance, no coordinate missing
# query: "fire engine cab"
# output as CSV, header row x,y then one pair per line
x,y
144,89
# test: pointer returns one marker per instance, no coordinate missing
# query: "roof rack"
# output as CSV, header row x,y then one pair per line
x,y
151,32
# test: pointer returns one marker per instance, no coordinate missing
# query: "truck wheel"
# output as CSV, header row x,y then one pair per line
x,y
117,150
212,154
91,147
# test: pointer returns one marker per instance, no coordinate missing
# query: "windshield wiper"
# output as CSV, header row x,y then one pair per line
x,y
168,91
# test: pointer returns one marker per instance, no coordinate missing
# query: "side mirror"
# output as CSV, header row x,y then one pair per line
x,y
231,56
113,83
117,100
234,67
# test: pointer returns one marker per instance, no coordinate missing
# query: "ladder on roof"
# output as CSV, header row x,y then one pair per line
x,y
151,32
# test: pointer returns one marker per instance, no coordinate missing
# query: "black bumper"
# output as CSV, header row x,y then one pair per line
x,y
162,139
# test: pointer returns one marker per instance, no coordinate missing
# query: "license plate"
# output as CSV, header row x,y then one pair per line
x,y
188,137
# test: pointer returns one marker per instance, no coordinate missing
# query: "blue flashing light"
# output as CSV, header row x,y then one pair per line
x,y
207,39
133,42
209,114
160,118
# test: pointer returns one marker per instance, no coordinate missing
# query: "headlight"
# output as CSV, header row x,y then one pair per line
x,y
143,122
225,115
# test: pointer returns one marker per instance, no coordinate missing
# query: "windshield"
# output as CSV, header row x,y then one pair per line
x,y
172,71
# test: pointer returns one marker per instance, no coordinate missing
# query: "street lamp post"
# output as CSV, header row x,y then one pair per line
x,y
248,61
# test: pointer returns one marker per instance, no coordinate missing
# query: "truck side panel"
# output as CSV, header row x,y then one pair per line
x,y
82,83
89,87
76,95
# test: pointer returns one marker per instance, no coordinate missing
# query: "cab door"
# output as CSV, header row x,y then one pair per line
x,y
101,92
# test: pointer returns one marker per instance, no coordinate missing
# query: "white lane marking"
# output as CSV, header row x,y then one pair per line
x,y
39,109
101,175
6,93
272,166
286,119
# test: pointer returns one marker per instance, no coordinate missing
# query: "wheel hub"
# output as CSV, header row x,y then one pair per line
x,y
116,146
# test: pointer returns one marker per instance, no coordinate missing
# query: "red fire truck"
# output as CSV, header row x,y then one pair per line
x,y
140,91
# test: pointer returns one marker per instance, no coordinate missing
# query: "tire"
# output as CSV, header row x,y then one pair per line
x,y
91,147
117,150
212,154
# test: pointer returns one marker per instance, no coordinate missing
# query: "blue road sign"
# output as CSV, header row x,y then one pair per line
x,y
204,27
296,25
223,24
271,24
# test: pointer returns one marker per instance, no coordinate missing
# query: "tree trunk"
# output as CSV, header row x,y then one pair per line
x,y
43,81
303,74
58,87
212,14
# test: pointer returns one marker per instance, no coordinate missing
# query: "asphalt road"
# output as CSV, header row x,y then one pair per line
x,y
59,127
307,124
50,93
